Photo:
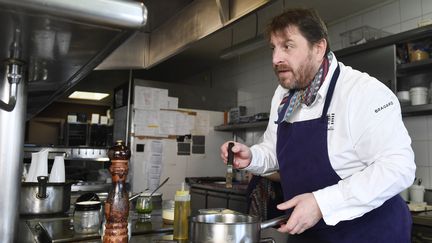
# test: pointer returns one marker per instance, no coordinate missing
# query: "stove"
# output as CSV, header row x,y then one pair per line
x,y
59,228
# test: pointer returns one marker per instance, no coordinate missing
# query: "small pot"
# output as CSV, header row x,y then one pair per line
x,y
230,228
40,198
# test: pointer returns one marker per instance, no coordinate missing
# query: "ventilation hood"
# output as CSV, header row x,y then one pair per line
x,y
56,42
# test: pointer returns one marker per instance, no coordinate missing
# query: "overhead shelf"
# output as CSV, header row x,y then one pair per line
x,y
411,110
234,127
413,66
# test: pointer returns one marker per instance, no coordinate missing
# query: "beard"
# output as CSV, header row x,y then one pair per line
x,y
299,78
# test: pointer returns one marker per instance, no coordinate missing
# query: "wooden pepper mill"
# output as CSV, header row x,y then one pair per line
x,y
117,203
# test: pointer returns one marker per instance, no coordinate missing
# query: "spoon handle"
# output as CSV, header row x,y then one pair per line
x,y
159,186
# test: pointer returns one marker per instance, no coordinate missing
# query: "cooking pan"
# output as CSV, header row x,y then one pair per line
x,y
230,228
43,198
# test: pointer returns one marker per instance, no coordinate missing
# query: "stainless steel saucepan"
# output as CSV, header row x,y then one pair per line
x,y
230,228
40,198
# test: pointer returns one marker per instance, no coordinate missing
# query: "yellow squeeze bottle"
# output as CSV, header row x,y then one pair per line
x,y
181,213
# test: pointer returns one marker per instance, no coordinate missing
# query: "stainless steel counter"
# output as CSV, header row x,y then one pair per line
x,y
423,218
60,229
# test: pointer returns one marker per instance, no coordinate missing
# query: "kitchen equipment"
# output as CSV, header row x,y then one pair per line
x,y
116,207
229,173
160,185
168,211
262,116
38,166
181,213
230,228
419,55
87,214
144,206
416,193
418,95
58,170
40,198
235,113
403,96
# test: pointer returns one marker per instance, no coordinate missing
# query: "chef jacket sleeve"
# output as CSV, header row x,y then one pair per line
x,y
382,143
264,154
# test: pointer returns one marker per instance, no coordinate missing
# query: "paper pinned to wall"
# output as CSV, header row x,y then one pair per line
x,y
202,123
146,122
168,123
143,97
150,98
153,168
172,103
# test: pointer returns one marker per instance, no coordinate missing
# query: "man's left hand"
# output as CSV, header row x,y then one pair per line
x,y
306,213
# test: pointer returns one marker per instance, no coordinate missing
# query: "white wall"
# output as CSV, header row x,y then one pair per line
x,y
391,16
253,77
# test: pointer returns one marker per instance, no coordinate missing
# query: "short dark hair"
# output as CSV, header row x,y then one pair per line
x,y
307,21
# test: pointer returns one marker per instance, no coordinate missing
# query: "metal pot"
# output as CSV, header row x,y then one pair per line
x,y
226,228
44,198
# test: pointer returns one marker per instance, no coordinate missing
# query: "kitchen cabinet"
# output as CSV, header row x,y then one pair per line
x,y
388,59
205,195
421,234
385,71
85,134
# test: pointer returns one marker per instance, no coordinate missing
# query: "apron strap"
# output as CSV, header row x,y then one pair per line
x,y
330,91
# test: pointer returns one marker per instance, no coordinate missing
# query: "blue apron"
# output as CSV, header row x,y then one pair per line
x,y
305,167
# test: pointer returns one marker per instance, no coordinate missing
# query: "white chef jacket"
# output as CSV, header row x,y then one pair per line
x,y
368,144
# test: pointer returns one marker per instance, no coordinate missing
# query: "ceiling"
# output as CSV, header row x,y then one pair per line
x,y
203,54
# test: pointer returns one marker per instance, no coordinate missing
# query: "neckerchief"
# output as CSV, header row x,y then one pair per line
x,y
307,95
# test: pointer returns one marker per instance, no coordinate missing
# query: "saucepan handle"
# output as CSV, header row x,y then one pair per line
x,y
269,239
42,187
274,222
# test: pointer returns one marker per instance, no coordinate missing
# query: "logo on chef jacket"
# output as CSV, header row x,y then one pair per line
x,y
330,121
383,107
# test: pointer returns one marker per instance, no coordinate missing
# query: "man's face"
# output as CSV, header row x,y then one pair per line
x,y
294,59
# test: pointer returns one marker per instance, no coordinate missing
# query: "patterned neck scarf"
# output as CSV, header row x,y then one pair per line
x,y
308,94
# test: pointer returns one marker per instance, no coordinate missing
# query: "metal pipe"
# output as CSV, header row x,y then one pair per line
x,y
14,74
115,13
12,99
128,107
11,145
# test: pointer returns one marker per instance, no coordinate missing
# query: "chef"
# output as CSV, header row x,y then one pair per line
x,y
337,138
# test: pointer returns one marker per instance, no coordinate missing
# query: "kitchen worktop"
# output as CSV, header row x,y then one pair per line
x,y
60,229
422,218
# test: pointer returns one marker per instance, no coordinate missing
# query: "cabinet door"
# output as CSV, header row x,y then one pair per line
x,y
421,234
198,200
217,200
379,63
238,203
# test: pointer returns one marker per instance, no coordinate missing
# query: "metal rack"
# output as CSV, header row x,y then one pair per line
x,y
71,153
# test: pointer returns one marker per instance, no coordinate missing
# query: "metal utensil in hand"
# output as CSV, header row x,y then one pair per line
x,y
229,174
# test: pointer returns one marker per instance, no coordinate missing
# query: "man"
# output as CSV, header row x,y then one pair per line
x,y
337,138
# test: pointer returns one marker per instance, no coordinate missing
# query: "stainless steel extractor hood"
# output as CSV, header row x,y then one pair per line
x,y
46,47
59,42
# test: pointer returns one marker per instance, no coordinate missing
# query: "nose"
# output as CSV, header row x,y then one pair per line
x,y
277,57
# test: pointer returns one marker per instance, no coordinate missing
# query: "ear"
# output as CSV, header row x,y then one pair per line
x,y
320,48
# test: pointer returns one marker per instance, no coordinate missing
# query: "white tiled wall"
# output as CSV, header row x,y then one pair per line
x,y
392,17
255,81
420,130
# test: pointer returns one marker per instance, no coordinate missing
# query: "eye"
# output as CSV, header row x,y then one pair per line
x,y
288,45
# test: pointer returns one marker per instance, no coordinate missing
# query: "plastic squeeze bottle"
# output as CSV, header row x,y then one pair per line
x,y
181,213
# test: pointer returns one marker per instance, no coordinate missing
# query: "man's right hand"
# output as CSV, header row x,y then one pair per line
x,y
242,154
